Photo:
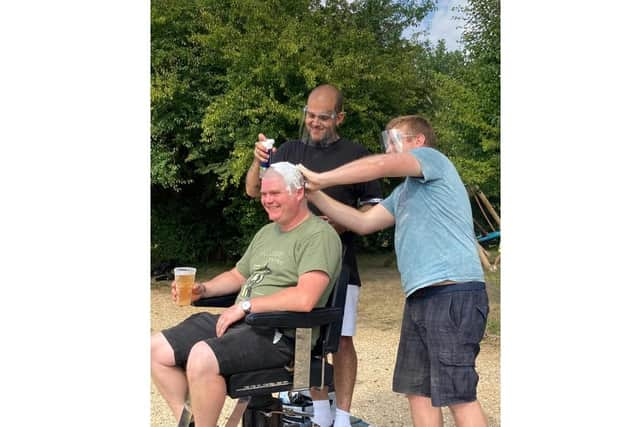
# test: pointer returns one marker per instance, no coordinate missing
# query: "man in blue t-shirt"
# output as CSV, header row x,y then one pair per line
x,y
446,305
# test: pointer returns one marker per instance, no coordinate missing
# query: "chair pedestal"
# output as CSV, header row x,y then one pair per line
x,y
263,411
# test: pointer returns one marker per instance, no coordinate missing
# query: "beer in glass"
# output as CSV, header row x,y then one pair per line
x,y
185,278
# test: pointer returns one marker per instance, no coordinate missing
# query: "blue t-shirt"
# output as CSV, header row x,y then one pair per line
x,y
434,238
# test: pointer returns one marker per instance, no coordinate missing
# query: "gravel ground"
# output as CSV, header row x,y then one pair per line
x,y
379,319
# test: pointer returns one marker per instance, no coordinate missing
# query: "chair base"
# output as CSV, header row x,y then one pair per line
x,y
268,381
263,411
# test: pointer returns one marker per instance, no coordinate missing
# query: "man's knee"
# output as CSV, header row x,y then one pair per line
x,y
468,414
161,350
202,361
415,399
464,407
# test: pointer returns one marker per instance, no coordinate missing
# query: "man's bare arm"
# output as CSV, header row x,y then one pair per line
x,y
223,284
372,219
341,228
363,170
303,297
252,181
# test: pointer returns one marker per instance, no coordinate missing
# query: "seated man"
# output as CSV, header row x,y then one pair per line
x,y
291,264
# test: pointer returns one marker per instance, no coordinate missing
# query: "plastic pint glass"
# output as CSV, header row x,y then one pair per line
x,y
185,278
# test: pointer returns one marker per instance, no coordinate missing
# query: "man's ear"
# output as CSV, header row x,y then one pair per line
x,y
340,118
421,139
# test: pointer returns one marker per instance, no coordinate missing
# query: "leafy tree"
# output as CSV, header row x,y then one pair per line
x,y
481,39
184,78
464,88
463,132
224,70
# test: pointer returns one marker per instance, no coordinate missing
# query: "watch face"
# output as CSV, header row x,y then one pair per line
x,y
246,306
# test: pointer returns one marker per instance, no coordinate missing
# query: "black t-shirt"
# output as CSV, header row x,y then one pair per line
x,y
323,158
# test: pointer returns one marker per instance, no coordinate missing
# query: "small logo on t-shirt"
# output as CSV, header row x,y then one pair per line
x,y
254,280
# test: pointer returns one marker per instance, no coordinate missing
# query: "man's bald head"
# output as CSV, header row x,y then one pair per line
x,y
328,92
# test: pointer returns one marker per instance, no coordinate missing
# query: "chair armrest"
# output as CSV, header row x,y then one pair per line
x,y
295,319
219,301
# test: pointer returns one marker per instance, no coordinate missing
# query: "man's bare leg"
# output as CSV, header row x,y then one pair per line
x,y
321,410
207,387
423,413
170,380
468,414
345,365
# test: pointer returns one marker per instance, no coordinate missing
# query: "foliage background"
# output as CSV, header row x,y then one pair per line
x,y
224,70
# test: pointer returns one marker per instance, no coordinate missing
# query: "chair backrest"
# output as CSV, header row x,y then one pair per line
x,y
330,334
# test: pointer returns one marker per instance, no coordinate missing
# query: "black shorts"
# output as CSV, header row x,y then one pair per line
x,y
242,347
441,331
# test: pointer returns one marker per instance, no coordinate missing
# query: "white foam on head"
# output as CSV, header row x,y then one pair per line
x,y
184,271
292,177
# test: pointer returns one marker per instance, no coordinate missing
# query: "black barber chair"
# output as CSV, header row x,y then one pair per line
x,y
254,389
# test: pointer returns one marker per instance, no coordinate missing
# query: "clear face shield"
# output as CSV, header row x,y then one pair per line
x,y
391,140
323,127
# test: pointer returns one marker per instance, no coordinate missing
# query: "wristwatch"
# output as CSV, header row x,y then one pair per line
x,y
246,306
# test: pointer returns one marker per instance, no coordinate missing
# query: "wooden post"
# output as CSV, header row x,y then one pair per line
x,y
483,257
484,214
487,204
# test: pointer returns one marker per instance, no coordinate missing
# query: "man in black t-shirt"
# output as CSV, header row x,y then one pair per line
x,y
320,148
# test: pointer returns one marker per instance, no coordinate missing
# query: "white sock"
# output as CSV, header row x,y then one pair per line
x,y
343,419
322,413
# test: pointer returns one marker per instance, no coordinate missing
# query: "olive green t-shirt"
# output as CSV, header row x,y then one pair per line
x,y
275,260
